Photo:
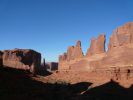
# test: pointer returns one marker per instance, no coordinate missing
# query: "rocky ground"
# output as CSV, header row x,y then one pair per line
x,y
74,77
20,85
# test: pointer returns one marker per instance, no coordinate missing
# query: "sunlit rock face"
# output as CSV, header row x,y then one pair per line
x,y
63,57
120,51
116,62
73,53
122,36
97,46
74,58
25,59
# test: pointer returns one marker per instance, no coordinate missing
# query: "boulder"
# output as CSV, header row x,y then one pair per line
x,y
97,46
25,59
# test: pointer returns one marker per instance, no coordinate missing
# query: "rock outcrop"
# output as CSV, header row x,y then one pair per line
x,y
73,53
120,51
25,59
52,66
97,46
74,56
63,57
122,36
116,62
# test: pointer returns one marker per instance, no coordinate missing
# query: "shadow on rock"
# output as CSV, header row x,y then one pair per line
x,y
18,85
109,91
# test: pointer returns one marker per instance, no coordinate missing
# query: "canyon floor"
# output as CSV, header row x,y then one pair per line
x,y
20,85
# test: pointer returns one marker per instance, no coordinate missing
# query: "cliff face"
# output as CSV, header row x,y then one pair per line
x,y
120,51
22,59
122,36
117,59
73,53
97,46
74,58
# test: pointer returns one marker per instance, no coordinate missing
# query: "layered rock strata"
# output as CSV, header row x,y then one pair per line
x,y
116,61
73,53
25,59
97,46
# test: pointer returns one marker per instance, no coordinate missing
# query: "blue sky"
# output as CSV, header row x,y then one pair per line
x,y
50,26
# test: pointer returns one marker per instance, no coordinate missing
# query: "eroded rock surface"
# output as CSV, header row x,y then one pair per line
x,y
121,36
63,57
25,59
97,46
116,62
73,53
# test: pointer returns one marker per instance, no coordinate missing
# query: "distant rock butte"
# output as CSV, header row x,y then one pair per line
x,y
25,59
116,61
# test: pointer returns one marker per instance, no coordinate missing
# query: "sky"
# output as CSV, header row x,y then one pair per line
x,y
50,26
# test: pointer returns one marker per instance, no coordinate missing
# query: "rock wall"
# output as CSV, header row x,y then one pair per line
x,y
97,46
52,66
63,57
25,59
122,36
74,56
115,62
116,73
73,53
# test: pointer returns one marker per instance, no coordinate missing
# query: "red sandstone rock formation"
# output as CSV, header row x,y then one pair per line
x,y
74,52
22,59
97,46
122,35
116,62
63,57
78,51
120,51
70,52
52,66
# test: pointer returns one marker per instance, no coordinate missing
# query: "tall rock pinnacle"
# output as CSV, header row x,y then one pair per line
x,y
97,46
